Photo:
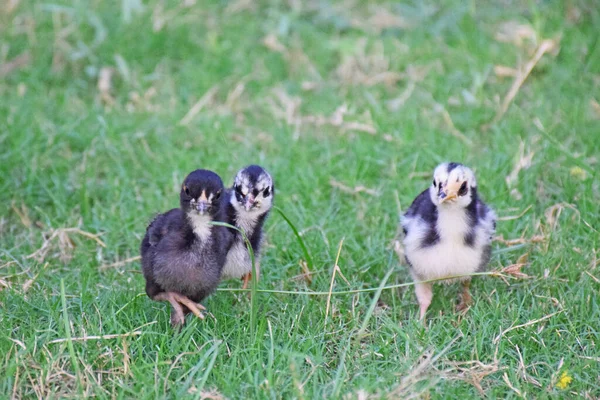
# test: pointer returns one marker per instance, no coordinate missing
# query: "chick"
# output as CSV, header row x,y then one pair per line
x,y
448,231
250,200
182,253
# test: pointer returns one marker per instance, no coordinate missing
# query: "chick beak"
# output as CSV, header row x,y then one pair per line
x,y
202,207
450,192
249,203
202,204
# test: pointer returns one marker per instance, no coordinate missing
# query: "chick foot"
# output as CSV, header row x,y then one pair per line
x,y
465,297
177,301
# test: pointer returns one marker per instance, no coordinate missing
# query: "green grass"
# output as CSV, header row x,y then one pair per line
x,y
70,158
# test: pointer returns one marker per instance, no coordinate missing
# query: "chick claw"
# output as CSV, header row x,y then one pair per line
x,y
176,300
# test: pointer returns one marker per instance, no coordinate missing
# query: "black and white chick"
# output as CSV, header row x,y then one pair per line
x,y
250,200
448,231
182,252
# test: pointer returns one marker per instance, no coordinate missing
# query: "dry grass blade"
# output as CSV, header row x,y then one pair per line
x,y
11,5
593,277
516,33
523,162
512,217
472,372
522,240
450,124
515,269
306,274
336,268
367,68
23,214
272,43
511,386
597,359
199,105
135,332
16,63
121,263
503,71
397,103
380,20
421,372
18,342
546,46
553,213
65,242
105,85
356,190
595,107
29,282
4,284
529,323
237,6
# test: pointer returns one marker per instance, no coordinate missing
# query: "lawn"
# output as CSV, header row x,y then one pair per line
x,y
105,106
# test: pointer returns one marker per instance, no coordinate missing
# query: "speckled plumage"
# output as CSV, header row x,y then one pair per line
x,y
253,185
444,238
182,252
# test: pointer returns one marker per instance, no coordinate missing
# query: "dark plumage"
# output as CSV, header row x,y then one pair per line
x,y
182,253
249,202
448,231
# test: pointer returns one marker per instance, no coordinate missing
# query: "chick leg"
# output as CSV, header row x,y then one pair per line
x,y
177,300
465,296
248,277
424,292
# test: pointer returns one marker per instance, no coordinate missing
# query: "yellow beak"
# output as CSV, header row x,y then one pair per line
x,y
450,192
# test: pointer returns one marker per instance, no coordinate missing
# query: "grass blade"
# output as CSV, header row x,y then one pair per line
x,y
63,298
363,327
254,289
307,256
209,367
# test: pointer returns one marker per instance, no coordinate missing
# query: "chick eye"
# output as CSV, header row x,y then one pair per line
x,y
463,189
218,195
238,190
434,185
266,192
186,190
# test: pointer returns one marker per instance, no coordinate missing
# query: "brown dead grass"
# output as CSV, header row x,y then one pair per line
x,y
65,243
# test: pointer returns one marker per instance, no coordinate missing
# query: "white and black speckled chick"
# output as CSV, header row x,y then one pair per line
x,y
182,253
250,200
448,231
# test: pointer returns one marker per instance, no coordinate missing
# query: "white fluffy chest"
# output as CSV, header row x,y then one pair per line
x,y
450,255
247,222
200,225
238,261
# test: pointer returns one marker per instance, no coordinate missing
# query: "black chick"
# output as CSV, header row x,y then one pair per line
x,y
182,252
248,204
